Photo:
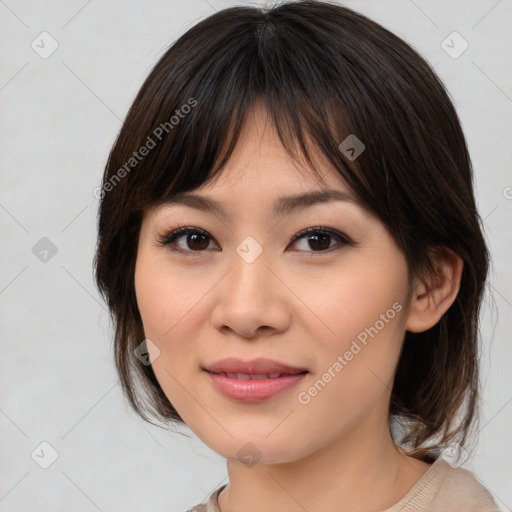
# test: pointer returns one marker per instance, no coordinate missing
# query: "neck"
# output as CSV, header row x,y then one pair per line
x,y
361,471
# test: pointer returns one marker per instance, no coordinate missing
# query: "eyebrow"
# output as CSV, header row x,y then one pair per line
x,y
282,206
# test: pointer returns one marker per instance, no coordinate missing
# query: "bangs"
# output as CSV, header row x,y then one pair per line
x,y
273,61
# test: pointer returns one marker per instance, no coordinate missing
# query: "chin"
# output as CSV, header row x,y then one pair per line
x,y
258,449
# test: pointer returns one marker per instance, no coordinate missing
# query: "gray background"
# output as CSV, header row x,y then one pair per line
x,y
59,117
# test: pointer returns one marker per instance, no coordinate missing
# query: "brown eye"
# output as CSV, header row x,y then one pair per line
x,y
319,239
319,242
195,240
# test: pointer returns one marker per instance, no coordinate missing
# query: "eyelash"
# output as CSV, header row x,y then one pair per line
x,y
169,238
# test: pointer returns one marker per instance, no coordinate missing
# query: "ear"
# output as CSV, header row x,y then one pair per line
x,y
431,299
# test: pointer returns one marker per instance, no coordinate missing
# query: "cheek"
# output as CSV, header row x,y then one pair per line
x,y
167,298
168,305
361,313
350,299
172,307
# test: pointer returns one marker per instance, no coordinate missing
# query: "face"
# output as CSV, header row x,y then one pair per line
x,y
242,284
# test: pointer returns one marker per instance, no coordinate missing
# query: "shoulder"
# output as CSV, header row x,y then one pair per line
x,y
461,485
444,488
211,504
198,508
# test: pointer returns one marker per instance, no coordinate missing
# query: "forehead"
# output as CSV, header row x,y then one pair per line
x,y
259,159
262,174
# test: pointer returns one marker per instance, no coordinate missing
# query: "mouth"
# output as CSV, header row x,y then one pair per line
x,y
260,368
254,387
255,376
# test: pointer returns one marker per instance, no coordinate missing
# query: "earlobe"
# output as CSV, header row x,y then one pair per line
x,y
433,297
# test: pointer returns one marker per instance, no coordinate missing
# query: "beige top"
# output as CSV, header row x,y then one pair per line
x,y
442,488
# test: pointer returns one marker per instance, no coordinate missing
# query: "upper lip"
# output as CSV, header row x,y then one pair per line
x,y
256,366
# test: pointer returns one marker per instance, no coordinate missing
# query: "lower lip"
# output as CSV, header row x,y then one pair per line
x,y
253,390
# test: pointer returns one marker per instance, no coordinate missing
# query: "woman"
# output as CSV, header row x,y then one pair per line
x,y
292,256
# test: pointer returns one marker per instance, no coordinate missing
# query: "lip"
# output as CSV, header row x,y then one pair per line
x,y
257,390
247,389
255,366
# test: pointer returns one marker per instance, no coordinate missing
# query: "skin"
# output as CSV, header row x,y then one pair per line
x,y
334,453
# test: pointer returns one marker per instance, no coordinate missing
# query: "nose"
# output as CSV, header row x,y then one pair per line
x,y
252,300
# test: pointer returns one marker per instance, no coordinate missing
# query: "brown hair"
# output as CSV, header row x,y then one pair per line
x,y
324,72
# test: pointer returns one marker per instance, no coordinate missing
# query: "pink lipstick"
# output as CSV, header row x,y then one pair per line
x,y
255,380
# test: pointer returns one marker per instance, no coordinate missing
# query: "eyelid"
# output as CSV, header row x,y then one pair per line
x,y
322,229
169,237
